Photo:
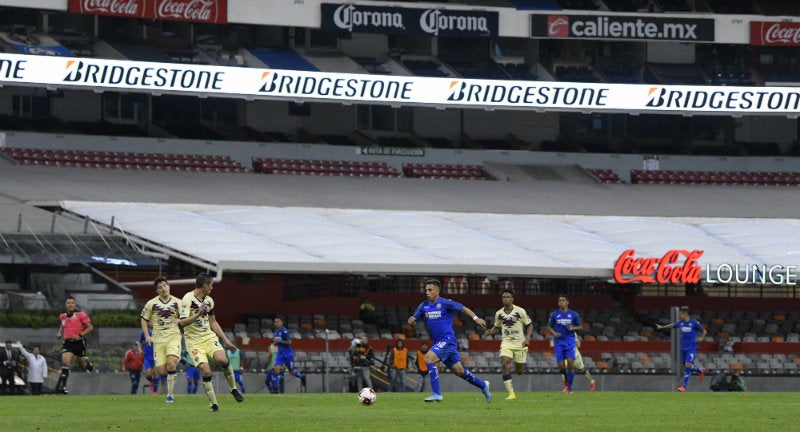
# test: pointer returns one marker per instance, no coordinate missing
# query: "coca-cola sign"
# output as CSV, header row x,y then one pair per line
x,y
206,11
676,266
122,8
192,10
775,33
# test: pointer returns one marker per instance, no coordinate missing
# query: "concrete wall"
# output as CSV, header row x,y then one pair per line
x,y
119,383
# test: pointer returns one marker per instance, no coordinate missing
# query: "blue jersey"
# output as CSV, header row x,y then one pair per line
x,y
438,318
689,332
560,322
283,334
147,349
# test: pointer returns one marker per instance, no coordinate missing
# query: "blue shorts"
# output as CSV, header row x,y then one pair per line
x,y
688,356
192,374
149,362
447,351
564,350
285,359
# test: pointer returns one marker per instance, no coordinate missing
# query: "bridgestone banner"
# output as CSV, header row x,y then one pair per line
x,y
394,20
609,27
252,83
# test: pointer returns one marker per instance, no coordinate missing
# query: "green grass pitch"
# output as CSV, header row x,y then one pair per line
x,y
538,411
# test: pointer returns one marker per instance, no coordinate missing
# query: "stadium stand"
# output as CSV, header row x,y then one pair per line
x,y
323,167
444,171
606,175
124,160
716,178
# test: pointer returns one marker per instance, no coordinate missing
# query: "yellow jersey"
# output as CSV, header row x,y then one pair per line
x,y
200,330
162,315
512,326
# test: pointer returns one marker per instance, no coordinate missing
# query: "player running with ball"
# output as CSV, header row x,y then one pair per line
x,y
689,328
438,315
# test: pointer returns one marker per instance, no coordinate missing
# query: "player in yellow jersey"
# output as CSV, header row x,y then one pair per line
x,y
516,326
203,333
162,313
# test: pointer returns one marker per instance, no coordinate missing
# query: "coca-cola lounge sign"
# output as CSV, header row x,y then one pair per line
x,y
204,11
764,33
675,266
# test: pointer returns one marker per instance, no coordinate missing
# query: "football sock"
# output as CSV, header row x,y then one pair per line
x,y
472,379
171,375
209,387
507,382
228,372
587,375
570,378
697,369
134,384
687,373
154,384
276,381
62,379
239,381
434,374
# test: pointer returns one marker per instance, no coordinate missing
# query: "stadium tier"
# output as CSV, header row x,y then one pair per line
x,y
716,178
124,160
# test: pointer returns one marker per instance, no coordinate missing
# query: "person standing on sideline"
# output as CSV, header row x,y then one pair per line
x,y
285,358
9,366
162,312
563,324
133,364
203,333
75,325
362,357
692,333
270,374
422,368
398,362
235,359
37,368
438,313
515,325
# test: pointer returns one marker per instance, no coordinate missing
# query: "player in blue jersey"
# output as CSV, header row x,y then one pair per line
x,y
562,325
692,332
150,362
285,356
438,315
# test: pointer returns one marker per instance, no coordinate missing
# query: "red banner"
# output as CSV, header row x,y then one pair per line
x,y
764,33
203,11
676,266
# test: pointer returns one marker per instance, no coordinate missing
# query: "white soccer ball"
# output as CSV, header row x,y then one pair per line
x,y
367,396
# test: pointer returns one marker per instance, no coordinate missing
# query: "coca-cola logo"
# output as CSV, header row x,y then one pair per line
x,y
778,34
558,26
132,8
187,10
676,266
212,11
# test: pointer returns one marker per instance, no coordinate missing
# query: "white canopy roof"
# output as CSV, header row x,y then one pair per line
x,y
242,238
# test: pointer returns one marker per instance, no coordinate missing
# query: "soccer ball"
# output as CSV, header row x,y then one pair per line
x,y
367,396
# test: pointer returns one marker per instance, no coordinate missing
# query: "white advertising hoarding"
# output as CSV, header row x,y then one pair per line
x,y
252,83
